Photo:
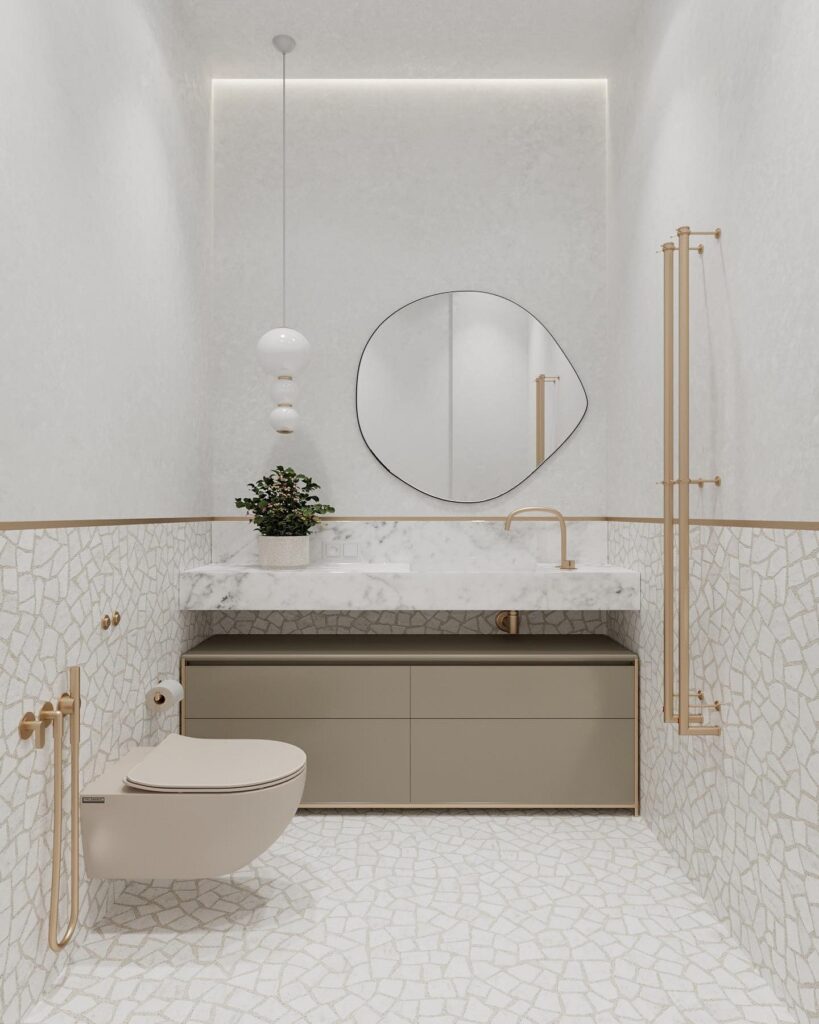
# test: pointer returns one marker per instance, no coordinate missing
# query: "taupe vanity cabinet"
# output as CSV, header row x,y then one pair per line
x,y
430,721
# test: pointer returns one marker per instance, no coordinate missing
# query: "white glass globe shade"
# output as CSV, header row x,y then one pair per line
x,y
284,418
283,350
285,391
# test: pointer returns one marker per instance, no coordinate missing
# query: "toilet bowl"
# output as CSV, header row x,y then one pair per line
x,y
189,808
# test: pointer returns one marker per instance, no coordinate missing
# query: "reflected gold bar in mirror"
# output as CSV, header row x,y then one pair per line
x,y
668,482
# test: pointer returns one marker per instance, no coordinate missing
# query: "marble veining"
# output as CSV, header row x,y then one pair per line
x,y
429,545
329,587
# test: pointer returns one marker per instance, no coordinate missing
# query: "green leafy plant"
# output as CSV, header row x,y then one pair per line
x,y
283,504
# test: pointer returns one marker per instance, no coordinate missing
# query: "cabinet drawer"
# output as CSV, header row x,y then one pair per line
x,y
526,691
348,760
297,691
573,762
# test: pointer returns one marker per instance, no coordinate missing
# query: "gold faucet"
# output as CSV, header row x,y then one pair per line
x,y
565,562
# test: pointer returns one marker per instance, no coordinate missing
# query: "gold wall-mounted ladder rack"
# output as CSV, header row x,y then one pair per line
x,y
677,708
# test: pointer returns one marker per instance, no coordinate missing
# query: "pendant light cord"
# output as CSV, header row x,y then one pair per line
x,y
284,190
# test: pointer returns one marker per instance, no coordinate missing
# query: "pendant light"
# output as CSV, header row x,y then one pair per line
x,y
283,351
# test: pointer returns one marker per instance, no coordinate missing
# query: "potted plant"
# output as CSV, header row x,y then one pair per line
x,y
284,510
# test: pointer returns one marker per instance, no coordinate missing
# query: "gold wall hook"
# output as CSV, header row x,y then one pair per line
x,y
105,621
116,618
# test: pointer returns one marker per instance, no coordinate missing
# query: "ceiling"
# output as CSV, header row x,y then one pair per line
x,y
414,38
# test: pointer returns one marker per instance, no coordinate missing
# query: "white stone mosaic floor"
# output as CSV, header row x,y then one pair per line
x,y
475,918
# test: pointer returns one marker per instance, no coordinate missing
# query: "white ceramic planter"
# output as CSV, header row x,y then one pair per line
x,y
284,552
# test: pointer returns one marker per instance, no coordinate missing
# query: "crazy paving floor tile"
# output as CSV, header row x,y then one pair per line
x,y
475,918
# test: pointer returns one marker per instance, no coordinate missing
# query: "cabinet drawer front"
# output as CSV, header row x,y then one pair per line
x,y
575,762
297,691
348,760
526,691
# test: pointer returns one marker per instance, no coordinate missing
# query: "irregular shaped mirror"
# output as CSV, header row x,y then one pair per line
x,y
462,395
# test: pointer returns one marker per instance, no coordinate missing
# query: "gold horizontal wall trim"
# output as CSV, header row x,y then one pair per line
x,y
61,524
758,524
64,524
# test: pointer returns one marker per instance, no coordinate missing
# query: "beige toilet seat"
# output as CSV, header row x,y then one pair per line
x,y
185,764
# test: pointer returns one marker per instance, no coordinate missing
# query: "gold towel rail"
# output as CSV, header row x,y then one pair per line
x,y
676,710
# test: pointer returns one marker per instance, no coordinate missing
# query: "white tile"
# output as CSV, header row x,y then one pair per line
x,y
486,917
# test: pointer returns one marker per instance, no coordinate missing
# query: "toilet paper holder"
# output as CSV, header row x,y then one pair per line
x,y
167,693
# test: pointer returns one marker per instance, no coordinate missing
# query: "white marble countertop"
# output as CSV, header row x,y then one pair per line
x,y
396,586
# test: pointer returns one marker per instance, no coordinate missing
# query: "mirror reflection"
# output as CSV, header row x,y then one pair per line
x,y
463,395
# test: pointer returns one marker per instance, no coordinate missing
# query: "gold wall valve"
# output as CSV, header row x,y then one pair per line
x,y
34,726
508,622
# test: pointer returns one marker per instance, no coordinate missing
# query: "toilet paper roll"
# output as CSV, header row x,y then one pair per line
x,y
166,694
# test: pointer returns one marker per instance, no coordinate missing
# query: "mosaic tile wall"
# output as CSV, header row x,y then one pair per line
x,y
740,811
398,622
56,585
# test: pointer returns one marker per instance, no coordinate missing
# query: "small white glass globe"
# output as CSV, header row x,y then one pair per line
x,y
284,418
283,350
285,391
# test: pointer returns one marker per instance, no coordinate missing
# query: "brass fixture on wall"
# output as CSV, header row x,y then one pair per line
x,y
508,622
540,416
565,561
677,711
31,727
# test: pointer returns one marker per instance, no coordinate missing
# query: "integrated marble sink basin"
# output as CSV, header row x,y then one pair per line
x,y
398,586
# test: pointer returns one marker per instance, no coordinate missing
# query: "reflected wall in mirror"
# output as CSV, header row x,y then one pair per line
x,y
462,395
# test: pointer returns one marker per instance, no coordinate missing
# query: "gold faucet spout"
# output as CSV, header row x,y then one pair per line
x,y
556,516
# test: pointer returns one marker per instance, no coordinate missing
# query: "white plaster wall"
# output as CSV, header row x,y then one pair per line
x,y
398,190
104,200
712,122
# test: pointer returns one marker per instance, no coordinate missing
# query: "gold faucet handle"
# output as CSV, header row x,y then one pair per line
x,y
34,727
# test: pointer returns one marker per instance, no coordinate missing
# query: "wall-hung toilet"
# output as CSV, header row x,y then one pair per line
x,y
190,808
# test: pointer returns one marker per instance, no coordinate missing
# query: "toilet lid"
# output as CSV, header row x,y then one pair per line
x,y
185,764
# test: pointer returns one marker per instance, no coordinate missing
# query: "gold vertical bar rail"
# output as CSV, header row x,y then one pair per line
x,y
540,416
686,727
68,706
540,419
685,471
668,482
